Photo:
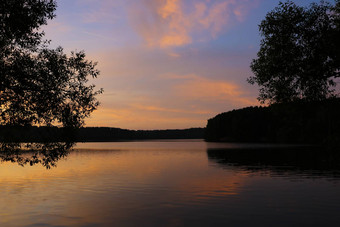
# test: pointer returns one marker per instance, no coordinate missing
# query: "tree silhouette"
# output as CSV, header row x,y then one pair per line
x,y
39,85
19,23
299,53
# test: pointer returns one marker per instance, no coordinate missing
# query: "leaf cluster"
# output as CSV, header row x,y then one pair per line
x,y
39,85
299,53
20,21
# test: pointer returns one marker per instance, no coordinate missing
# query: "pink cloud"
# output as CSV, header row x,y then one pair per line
x,y
200,88
166,23
149,90
144,117
189,102
56,28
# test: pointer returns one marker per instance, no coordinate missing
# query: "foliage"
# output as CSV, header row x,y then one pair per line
x,y
299,53
315,122
39,85
20,21
47,87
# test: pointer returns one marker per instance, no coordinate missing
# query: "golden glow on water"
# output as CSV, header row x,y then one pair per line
x,y
144,183
78,189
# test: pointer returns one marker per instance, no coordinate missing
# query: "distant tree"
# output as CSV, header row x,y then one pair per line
x,y
299,53
39,85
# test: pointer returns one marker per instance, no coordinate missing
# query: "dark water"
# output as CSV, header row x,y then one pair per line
x,y
181,183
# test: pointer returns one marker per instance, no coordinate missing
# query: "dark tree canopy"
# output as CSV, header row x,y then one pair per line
x,y
39,85
299,53
21,19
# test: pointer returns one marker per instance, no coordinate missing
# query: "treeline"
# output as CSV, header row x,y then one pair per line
x,y
114,134
315,122
91,134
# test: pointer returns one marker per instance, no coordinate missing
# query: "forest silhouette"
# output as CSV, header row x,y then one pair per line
x,y
298,122
296,68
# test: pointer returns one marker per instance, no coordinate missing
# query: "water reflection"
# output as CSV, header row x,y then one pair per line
x,y
280,160
45,153
159,183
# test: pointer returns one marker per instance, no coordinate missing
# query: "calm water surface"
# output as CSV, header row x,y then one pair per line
x,y
167,183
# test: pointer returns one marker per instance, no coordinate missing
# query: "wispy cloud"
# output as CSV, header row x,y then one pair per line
x,y
56,28
162,86
100,11
140,117
194,87
166,23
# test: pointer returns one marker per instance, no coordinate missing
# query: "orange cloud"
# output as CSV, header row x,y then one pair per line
x,y
166,23
196,87
168,100
138,116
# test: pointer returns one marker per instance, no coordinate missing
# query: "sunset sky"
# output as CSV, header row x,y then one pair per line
x,y
164,64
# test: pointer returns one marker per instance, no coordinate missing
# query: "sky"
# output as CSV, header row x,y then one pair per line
x,y
165,64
